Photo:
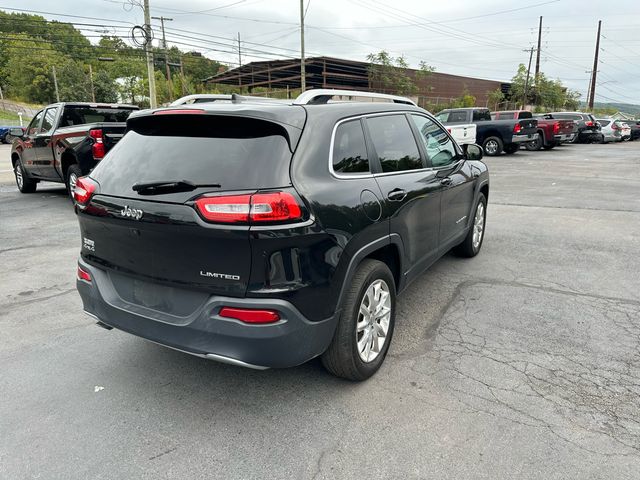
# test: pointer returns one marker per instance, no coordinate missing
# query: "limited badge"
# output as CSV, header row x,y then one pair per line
x,y
88,244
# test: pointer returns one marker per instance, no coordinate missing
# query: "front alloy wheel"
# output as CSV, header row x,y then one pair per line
x,y
478,226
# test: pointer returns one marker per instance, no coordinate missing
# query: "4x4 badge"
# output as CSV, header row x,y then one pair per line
x,y
131,212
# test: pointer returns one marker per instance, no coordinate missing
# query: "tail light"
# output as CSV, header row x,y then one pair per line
x,y
589,123
98,144
517,128
614,127
249,315
83,275
250,209
83,191
556,128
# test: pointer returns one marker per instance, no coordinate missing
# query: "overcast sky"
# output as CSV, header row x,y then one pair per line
x,y
484,39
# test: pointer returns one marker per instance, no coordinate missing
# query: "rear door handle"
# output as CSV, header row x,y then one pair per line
x,y
397,195
445,181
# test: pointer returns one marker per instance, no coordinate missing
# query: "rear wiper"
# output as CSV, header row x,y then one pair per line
x,y
168,186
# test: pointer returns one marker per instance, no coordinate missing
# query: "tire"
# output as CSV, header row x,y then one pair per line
x,y
575,139
343,357
24,183
511,148
492,146
535,145
470,247
550,146
73,173
8,138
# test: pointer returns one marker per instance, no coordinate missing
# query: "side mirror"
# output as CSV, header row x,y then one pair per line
x,y
472,151
16,132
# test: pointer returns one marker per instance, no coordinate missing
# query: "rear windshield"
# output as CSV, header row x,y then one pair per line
x,y
81,115
237,153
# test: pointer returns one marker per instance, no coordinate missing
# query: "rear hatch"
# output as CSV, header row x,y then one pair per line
x,y
158,234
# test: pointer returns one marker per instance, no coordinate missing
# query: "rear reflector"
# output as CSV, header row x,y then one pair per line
x,y
83,275
84,189
250,315
183,111
256,208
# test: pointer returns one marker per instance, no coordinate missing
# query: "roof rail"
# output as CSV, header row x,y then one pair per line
x,y
235,98
321,96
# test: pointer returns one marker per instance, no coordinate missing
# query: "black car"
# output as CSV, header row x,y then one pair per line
x,y
588,130
265,234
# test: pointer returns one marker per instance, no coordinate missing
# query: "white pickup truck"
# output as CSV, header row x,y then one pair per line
x,y
463,134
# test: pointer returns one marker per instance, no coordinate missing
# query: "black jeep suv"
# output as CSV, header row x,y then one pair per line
x,y
265,233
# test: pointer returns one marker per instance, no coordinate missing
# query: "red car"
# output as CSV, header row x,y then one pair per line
x,y
551,131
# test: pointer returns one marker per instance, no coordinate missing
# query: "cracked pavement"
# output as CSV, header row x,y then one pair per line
x,y
521,363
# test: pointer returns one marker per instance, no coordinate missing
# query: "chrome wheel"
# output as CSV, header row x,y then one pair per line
x,y
491,147
478,226
19,177
373,322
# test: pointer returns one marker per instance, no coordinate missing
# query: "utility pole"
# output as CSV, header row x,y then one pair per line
x,y
184,86
93,92
239,64
166,54
303,80
55,82
538,52
594,73
147,48
526,83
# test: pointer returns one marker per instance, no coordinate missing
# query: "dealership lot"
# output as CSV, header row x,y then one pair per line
x,y
522,362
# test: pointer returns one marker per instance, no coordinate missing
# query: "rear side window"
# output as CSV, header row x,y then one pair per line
x,y
458,117
604,123
394,143
237,153
349,149
82,115
481,115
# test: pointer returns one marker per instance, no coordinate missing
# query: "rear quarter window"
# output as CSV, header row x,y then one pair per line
x,y
349,149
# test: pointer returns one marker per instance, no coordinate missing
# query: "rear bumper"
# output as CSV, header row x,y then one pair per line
x,y
524,138
291,341
564,137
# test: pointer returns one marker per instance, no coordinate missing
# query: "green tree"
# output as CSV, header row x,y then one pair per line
x,y
105,88
495,98
392,75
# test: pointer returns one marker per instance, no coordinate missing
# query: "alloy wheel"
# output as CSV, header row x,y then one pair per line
x,y
478,226
19,177
491,147
374,317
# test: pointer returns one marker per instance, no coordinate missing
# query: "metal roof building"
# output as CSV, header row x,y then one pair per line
x,y
329,72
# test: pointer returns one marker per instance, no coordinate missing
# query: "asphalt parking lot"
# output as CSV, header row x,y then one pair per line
x,y
521,363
